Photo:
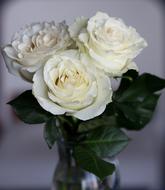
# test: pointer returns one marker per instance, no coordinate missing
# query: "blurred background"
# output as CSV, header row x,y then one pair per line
x,y
25,160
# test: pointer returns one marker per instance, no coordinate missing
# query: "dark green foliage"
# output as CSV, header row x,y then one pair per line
x,y
106,141
89,161
135,100
28,109
51,132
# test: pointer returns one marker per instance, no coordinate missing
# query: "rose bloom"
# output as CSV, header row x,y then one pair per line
x,y
33,45
111,43
69,83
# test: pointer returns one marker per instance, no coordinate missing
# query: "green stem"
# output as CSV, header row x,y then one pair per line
x,y
125,77
69,127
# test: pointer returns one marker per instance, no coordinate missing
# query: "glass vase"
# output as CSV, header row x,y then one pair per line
x,y
68,176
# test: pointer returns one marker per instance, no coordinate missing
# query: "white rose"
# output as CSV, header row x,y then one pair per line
x,y
33,45
69,83
109,41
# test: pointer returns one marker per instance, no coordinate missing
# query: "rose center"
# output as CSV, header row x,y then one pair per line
x,y
71,77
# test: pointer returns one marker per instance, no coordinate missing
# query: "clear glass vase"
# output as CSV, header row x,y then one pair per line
x,y
68,176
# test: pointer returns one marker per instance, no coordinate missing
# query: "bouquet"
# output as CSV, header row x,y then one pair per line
x,y
71,69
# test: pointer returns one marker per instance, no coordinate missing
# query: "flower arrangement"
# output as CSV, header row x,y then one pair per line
x,y
71,69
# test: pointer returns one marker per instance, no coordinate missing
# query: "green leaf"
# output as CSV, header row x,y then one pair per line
x,y
143,86
51,132
92,163
28,109
106,141
127,79
95,123
134,106
136,115
110,110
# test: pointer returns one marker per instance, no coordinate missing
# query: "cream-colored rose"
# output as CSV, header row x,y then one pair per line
x,y
33,45
69,83
109,41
